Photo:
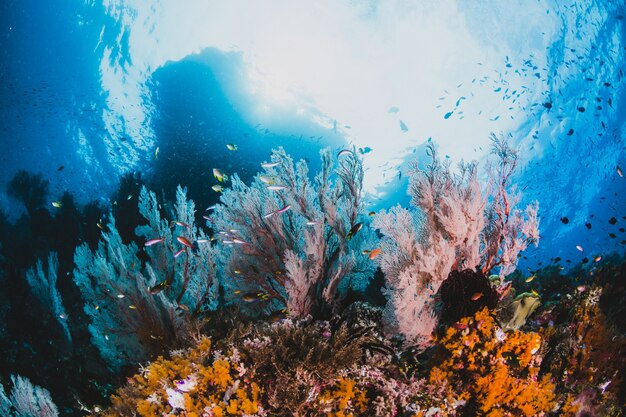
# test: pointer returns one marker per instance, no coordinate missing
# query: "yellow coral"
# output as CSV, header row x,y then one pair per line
x,y
344,398
210,383
497,371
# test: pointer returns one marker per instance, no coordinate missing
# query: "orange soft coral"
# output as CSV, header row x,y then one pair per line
x,y
344,399
190,381
495,372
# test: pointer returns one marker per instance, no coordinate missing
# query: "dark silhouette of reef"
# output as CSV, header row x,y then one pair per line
x,y
31,340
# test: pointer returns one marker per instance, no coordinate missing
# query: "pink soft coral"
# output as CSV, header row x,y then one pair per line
x,y
456,226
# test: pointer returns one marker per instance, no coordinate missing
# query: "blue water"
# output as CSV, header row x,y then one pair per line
x,y
90,91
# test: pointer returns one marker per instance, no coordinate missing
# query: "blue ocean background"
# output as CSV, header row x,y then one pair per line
x,y
60,108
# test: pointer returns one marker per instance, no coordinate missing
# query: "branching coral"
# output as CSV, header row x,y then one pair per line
x,y
139,310
456,226
45,289
495,373
508,230
292,240
26,400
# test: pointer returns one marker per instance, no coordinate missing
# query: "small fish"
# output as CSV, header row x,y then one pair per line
x,y
219,175
279,211
460,326
181,224
184,241
159,287
375,253
393,109
240,242
269,164
343,152
250,297
156,153
100,226
203,240
231,146
619,172
312,223
580,248
564,220
213,207
266,179
57,204
129,197
581,288
530,278
354,230
476,296
403,127
598,258
177,254
153,241
276,187
120,296
277,316
183,307
371,213
447,115
217,188
365,251
60,168
132,307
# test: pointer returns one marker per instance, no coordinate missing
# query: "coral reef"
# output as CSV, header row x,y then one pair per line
x,y
26,400
586,353
292,241
284,369
138,309
456,226
44,286
465,292
490,372
30,189
263,314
